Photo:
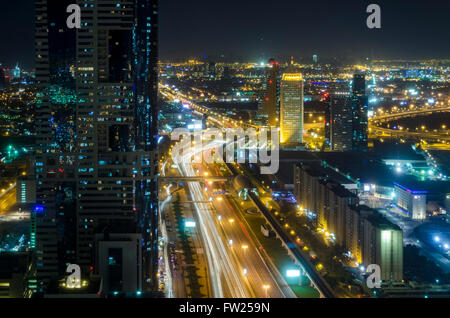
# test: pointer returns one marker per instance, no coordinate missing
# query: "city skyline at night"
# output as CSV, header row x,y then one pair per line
x,y
242,150
256,31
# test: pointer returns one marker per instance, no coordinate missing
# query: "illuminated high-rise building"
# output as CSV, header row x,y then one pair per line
x,y
96,158
269,105
16,72
359,102
346,118
291,109
339,123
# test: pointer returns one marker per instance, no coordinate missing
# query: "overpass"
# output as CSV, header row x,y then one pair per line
x,y
409,113
212,115
376,132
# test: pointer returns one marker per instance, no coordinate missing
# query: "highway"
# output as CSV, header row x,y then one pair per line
x,y
225,278
7,199
237,267
428,136
317,280
246,250
307,266
409,113
218,119
377,132
165,253
220,252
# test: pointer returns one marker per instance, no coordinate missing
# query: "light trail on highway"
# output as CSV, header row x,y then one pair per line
x,y
163,227
242,272
222,266
7,199
220,255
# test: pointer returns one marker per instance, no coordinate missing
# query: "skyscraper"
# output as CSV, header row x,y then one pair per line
x,y
346,118
359,113
96,156
269,106
291,109
339,123
16,72
2,78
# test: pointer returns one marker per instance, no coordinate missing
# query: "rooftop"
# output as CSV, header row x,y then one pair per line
x,y
375,218
292,77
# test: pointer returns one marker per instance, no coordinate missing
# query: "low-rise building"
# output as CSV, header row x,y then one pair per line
x,y
368,236
412,202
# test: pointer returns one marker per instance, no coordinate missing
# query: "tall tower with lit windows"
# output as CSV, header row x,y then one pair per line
x,y
269,104
96,151
359,102
291,109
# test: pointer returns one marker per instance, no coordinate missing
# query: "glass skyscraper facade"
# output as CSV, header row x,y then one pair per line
x,y
360,113
346,118
96,155
338,123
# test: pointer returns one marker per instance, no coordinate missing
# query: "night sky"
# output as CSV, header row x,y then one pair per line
x,y
250,30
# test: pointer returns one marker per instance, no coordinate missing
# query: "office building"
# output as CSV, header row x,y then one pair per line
x,y
26,190
359,102
96,122
380,242
119,261
269,105
346,118
412,202
339,123
291,109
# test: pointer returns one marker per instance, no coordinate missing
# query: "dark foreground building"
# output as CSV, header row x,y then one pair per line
x,y
96,158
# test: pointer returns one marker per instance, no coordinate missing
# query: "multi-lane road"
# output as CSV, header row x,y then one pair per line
x,y
7,198
236,267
